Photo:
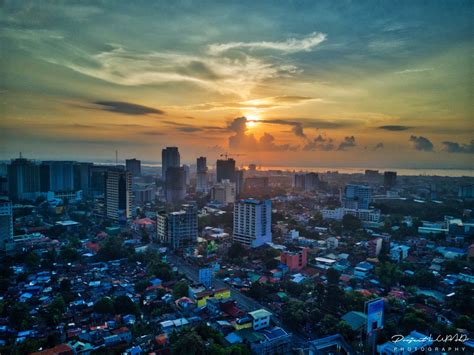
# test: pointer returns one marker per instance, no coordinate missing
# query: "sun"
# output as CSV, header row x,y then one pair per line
x,y
252,120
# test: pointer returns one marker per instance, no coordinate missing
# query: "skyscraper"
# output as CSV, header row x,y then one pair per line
x,y
239,181
357,197
225,169
169,158
201,175
61,175
134,166
178,229
82,177
23,179
118,194
389,179
175,184
253,222
6,222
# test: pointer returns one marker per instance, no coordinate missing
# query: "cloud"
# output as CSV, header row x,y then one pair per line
x,y
378,146
291,45
244,141
320,143
127,108
395,128
454,147
348,142
414,70
421,143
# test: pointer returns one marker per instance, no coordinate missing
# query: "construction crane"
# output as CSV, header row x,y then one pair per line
x,y
231,155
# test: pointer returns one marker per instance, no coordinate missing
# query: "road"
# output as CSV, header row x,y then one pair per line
x,y
246,303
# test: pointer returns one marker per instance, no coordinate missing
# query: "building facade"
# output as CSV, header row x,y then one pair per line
x,y
134,166
201,175
225,170
178,229
357,197
118,194
175,184
169,158
23,179
6,222
224,192
252,222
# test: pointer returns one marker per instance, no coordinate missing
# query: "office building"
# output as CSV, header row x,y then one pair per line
x,y
134,166
175,182
82,177
295,259
224,192
389,179
23,179
187,174
6,222
252,222
169,158
201,175
118,194
298,181
306,182
257,183
239,181
178,229
97,180
357,197
61,175
225,170
374,247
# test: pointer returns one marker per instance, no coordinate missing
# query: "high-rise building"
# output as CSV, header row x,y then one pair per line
x,y
239,181
178,229
97,180
118,194
169,158
187,174
23,179
389,179
61,175
175,184
253,222
134,166
223,192
201,175
6,222
357,197
374,247
225,169
82,177
306,182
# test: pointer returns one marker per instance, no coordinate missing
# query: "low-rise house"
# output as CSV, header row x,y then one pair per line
x,y
261,319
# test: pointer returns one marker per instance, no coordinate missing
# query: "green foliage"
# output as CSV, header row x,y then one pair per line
x,y
104,306
112,249
180,289
124,305
19,316
351,223
333,276
236,251
389,274
159,269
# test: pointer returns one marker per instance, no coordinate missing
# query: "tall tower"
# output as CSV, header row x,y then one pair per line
x,y
201,175
225,170
23,179
169,158
175,184
118,194
134,166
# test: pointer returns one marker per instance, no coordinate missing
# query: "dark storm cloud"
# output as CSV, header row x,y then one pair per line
x,y
455,147
348,142
127,108
320,143
421,143
395,128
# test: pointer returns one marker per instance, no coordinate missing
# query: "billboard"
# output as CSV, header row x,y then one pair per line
x,y
374,314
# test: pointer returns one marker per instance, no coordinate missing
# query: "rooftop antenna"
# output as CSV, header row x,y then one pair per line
x,y
21,155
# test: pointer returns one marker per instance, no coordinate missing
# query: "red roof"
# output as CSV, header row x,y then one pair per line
x,y
144,222
61,349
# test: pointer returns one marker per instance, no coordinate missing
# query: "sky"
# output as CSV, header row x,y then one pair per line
x,y
288,83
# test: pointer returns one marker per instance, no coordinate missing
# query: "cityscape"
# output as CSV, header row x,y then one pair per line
x,y
236,178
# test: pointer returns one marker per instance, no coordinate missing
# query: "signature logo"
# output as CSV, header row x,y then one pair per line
x,y
460,338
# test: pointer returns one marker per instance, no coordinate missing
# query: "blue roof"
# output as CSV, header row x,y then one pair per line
x,y
274,333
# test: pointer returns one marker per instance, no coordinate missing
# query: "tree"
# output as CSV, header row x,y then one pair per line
x,y
19,316
389,274
69,254
187,342
180,289
351,223
294,315
333,276
104,306
236,251
257,291
124,305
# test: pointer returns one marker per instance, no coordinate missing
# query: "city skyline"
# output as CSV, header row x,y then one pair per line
x,y
288,84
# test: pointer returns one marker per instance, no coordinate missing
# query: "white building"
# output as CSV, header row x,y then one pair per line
x,y
399,252
261,319
224,192
178,229
252,222
371,215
